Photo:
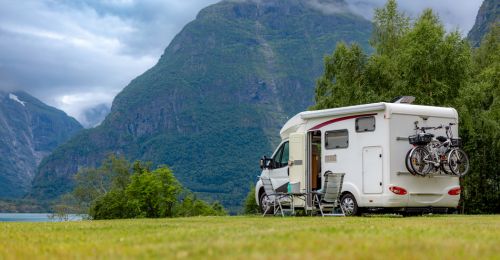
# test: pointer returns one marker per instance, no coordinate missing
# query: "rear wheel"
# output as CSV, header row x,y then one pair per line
x,y
445,165
458,162
420,159
349,204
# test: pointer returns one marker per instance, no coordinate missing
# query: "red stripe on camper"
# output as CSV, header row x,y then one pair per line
x,y
338,120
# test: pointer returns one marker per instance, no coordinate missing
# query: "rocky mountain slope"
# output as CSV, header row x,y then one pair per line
x,y
216,99
488,15
29,130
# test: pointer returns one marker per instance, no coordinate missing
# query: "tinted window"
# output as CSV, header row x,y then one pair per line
x,y
365,124
285,155
337,139
277,156
281,157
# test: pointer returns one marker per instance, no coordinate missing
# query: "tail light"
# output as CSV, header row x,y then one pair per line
x,y
454,191
398,190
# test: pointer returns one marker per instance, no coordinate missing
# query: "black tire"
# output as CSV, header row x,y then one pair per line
x,y
445,165
262,203
407,162
419,161
458,162
349,205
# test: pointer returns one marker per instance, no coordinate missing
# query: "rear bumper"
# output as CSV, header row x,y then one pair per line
x,y
433,200
420,200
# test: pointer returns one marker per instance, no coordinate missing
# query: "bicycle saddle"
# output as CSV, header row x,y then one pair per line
x,y
442,139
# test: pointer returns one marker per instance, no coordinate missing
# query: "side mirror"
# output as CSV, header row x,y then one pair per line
x,y
266,163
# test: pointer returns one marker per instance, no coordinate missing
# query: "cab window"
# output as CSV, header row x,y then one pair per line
x,y
281,157
285,155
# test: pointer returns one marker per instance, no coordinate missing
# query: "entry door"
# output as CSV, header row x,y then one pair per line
x,y
372,169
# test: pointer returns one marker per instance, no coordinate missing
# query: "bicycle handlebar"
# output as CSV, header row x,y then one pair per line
x,y
423,128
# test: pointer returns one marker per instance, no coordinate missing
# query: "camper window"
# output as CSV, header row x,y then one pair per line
x,y
337,139
365,124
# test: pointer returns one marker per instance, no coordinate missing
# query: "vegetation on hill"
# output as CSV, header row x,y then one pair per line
x,y
420,59
118,189
29,131
487,17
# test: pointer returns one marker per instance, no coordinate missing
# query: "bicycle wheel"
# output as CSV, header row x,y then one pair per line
x,y
458,162
445,165
420,160
407,162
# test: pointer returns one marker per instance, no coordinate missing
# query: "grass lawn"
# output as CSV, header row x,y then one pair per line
x,y
472,237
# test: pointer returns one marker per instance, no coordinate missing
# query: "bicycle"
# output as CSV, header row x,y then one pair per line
x,y
438,154
415,159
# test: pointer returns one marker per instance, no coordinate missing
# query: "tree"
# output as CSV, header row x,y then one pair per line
x,y
438,68
251,207
479,107
153,194
92,183
419,60
389,28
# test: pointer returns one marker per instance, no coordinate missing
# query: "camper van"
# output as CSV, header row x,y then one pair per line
x,y
368,143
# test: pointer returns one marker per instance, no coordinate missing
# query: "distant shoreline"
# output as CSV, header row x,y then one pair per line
x,y
38,217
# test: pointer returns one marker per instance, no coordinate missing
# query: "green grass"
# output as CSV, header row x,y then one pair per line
x,y
472,237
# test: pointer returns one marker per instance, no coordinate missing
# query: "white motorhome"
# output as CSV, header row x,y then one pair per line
x,y
369,144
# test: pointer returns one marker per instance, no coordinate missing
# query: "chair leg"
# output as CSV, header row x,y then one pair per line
x,y
320,206
280,208
267,209
342,209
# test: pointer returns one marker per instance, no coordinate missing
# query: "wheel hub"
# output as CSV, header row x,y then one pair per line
x,y
348,204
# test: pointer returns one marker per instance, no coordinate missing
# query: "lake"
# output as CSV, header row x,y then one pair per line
x,y
35,217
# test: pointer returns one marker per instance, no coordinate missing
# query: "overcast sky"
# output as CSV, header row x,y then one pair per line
x,y
78,54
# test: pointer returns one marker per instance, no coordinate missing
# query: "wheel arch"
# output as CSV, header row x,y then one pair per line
x,y
349,187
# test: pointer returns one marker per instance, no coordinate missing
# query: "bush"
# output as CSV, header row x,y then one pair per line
x,y
119,189
251,207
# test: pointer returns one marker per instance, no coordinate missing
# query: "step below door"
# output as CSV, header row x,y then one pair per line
x,y
372,169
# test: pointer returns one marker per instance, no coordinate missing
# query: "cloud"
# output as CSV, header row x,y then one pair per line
x,y
78,54
455,14
328,7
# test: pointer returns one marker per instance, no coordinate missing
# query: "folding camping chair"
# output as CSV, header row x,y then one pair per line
x,y
275,199
328,196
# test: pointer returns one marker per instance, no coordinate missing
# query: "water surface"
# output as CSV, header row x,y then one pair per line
x,y
36,217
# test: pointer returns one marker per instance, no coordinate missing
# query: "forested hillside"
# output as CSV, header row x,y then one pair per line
x,y
487,17
216,99
29,130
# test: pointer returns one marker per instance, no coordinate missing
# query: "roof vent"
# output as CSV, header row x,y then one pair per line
x,y
403,100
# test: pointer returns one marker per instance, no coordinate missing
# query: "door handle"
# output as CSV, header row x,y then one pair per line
x,y
380,183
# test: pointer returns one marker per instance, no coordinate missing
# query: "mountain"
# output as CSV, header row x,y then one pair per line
x,y
217,98
29,130
488,15
93,116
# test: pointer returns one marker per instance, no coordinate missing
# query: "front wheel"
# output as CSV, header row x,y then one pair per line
x,y
458,162
349,204
264,203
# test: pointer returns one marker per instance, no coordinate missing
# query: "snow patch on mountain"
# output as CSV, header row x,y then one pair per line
x,y
16,98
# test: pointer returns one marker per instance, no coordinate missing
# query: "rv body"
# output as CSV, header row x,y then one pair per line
x,y
369,144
